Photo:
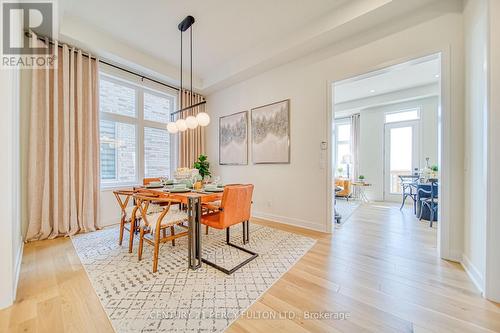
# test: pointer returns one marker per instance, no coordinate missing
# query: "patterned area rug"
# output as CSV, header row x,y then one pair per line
x,y
176,299
346,208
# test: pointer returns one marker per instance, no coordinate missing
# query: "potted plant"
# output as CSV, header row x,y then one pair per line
x,y
361,178
203,166
434,170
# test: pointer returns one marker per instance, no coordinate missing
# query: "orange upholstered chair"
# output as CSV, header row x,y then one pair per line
x,y
234,209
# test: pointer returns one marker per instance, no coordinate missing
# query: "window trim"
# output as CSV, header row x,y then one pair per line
x,y
418,109
140,123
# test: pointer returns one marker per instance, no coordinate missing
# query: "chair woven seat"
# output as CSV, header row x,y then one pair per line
x,y
173,217
152,210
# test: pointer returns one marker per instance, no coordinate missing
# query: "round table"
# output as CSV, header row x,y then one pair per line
x,y
360,190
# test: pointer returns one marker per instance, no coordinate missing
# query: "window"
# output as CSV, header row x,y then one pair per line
x,y
156,157
393,117
118,152
134,142
343,147
156,108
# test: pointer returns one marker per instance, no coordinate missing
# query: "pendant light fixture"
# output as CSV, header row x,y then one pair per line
x,y
202,118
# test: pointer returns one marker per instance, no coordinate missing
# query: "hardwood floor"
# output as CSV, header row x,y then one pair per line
x,y
380,269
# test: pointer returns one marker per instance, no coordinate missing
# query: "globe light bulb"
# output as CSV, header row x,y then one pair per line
x,y
181,125
203,118
191,122
172,128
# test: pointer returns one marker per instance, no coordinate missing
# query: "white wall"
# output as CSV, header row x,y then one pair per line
x,y
279,189
492,273
25,103
10,238
372,141
476,34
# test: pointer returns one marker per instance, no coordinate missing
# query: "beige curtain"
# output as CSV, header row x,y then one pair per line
x,y
355,139
63,171
192,141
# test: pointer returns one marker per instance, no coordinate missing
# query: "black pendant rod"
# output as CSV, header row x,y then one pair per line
x,y
185,24
191,54
181,71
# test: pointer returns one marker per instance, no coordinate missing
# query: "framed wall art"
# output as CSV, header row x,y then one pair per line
x,y
271,133
233,139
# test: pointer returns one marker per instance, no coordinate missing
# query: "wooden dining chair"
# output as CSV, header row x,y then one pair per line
x,y
127,214
234,209
147,181
153,226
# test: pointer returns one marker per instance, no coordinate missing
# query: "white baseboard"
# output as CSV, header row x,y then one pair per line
x,y
19,260
473,272
265,216
110,222
290,221
454,256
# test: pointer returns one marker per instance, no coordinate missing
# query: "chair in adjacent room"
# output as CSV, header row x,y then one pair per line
x,y
346,191
429,199
407,183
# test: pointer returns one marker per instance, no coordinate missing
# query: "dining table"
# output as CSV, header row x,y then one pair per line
x,y
193,199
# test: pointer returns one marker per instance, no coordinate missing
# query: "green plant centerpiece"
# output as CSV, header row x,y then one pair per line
x,y
361,177
202,165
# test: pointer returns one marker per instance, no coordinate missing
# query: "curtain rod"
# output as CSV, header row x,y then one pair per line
x,y
29,35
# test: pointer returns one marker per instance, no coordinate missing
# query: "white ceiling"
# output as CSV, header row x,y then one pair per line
x,y
403,76
233,39
224,29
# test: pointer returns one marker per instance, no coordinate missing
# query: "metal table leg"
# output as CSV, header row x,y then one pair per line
x,y
194,232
